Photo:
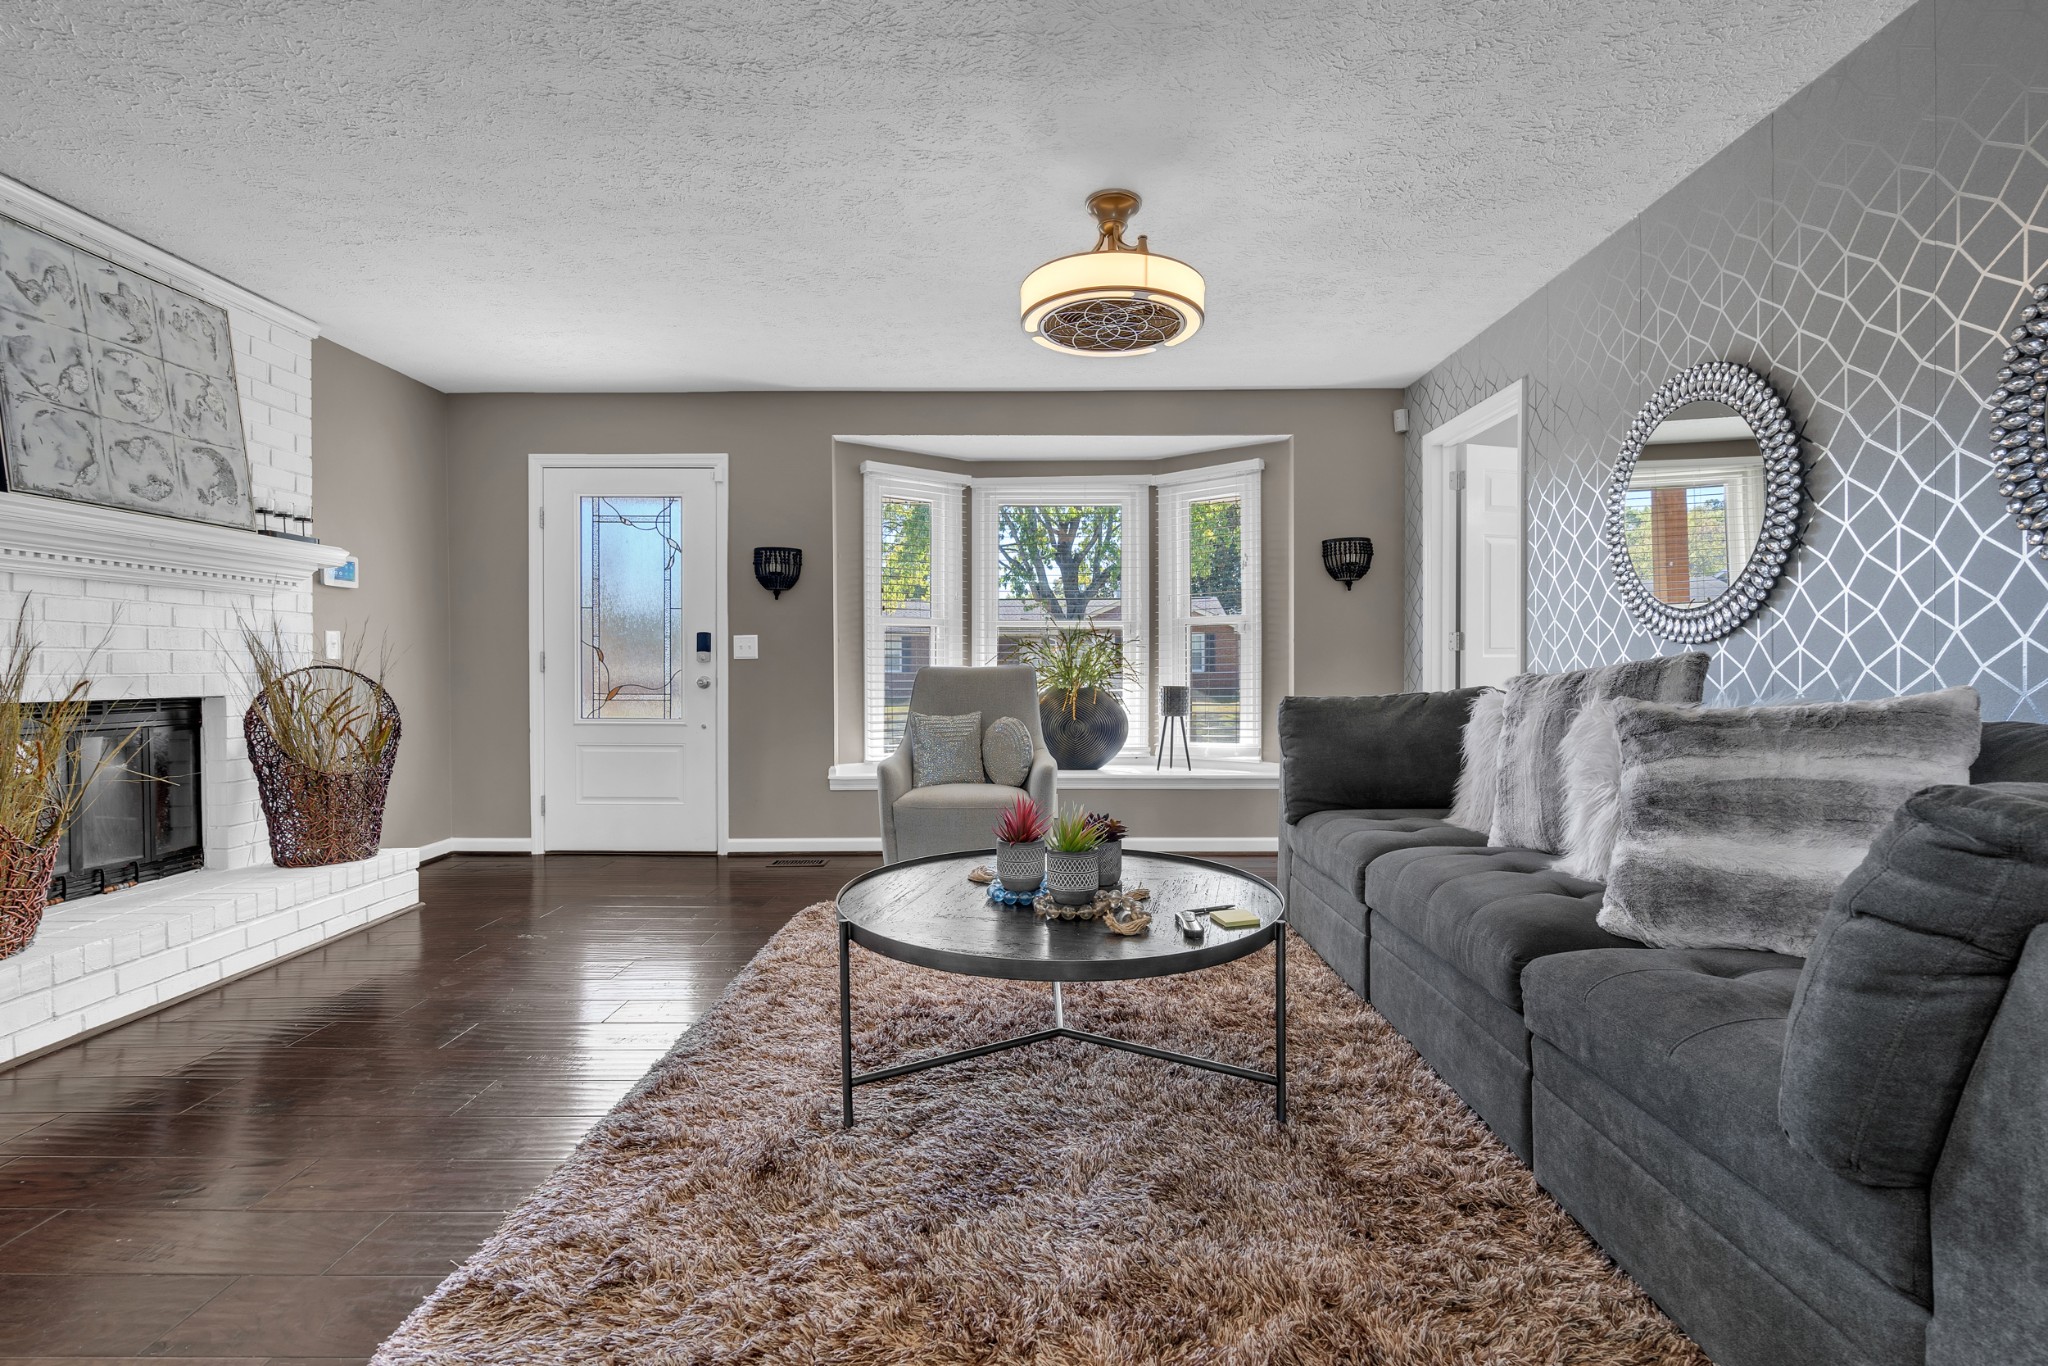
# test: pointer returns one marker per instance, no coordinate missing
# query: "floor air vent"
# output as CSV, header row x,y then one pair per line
x,y
796,863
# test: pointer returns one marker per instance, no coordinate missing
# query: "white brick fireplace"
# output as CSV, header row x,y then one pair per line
x,y
156,604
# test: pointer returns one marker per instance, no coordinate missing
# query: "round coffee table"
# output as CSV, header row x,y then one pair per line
x,y
926,912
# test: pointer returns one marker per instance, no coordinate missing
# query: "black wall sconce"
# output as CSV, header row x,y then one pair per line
x,y
1347,558
777,567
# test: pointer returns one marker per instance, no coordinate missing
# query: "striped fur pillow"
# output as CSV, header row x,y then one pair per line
x,y
1738,823
1528,807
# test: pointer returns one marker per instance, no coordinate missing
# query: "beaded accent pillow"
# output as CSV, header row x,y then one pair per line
x,y
945,749
1007,752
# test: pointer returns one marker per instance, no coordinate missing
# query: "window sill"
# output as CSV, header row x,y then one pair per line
x,y
1214,775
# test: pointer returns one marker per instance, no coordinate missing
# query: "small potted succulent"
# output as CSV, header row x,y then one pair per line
x,y
1109,832
1020,847
1072,872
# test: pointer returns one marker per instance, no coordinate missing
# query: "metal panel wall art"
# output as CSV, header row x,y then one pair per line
x,y
115,389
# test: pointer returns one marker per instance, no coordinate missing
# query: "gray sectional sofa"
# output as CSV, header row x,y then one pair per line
x,y
1643,1085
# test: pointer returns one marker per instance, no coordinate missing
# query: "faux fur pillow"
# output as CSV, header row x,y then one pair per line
x,y
1480,771
1738,823
1589,760
1528,809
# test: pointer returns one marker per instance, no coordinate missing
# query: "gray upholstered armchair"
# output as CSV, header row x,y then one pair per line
x,y
946,817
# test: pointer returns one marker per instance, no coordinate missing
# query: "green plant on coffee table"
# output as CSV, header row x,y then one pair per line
x,y
1107,827
1074,660
1073,832
1021,823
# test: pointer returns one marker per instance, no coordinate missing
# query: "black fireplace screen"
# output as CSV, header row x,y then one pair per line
x,y
142,819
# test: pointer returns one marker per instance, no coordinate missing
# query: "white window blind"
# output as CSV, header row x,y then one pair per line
x,y
1209,620
1063,554
912,609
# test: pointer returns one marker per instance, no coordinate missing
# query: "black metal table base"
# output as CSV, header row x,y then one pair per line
x,y
848,1078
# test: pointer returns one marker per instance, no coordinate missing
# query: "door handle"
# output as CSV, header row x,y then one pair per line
x,y
703,682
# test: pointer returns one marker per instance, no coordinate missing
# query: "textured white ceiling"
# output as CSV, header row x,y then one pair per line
x,y
644,194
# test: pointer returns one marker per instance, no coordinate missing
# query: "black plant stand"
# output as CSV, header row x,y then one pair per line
x,y
926,912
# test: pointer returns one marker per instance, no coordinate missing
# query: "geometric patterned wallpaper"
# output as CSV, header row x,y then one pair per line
x,y
1865,247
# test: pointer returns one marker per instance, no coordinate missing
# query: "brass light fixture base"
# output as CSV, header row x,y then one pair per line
x,y
1113,210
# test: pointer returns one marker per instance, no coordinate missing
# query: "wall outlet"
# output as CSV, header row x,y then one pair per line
x,y
334,645
746,647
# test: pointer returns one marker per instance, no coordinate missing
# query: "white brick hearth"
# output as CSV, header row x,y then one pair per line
x,y
152,608
103,959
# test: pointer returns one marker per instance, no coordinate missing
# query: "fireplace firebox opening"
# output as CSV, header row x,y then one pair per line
x,y
142,818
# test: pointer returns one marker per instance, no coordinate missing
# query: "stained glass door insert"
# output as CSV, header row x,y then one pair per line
x,y
631,628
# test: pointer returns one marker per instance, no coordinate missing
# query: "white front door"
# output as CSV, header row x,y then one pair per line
x,y
629,683
1490,612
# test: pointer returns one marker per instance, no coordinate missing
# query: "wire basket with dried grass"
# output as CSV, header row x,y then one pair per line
x,y
43,785
322,739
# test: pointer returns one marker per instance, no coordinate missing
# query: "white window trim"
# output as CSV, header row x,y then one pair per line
x,y
1133,495
964,629
887,483
1176,606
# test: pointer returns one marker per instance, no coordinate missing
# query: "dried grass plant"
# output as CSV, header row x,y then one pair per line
x,y
42,788
325,718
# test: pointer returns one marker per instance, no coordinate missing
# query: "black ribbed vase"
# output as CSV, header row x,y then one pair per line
x,y
1087,734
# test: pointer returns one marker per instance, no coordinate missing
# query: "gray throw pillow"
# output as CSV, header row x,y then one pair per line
x,y
945,749
1398,751
1480,772
1738,824
1589,761
1528,809
1007,752
1907,971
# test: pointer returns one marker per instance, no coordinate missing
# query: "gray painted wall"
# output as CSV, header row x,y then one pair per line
x,y
1866,247
380,462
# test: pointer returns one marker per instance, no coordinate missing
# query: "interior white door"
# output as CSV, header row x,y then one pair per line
x,y
1490,578
629,683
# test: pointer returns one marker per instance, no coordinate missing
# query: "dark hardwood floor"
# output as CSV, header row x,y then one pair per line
x,y
280,1169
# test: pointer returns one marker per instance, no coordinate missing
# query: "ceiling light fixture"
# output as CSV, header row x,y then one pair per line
x,y
1114,300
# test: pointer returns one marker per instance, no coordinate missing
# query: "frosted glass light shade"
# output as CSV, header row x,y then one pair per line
x,y
1112,303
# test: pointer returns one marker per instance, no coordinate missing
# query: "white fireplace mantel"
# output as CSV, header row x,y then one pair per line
x,y
51,536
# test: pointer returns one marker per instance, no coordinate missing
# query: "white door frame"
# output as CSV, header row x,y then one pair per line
x,y
1440,531
536,716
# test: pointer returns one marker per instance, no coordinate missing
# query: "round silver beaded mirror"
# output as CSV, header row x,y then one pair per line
x,y
2019,438
1703,507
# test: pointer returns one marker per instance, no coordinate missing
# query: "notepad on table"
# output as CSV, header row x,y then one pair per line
x,y
1235,918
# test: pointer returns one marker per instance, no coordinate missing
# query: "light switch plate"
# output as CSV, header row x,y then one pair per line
x,y
334,645
746,647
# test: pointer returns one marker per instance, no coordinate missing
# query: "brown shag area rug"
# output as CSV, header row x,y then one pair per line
x,y
1061,1203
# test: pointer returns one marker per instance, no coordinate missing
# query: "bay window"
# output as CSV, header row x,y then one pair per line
x,y
1069,553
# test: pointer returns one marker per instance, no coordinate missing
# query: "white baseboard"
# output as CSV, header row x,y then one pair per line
x,y
798,844
1205,844
477,844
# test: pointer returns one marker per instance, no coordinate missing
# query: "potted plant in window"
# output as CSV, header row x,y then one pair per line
x,y
1083,719
1110,850
1020,847
1072,873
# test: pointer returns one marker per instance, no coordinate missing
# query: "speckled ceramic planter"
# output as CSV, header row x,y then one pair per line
x,y
1110,862
1072,878
1020,867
